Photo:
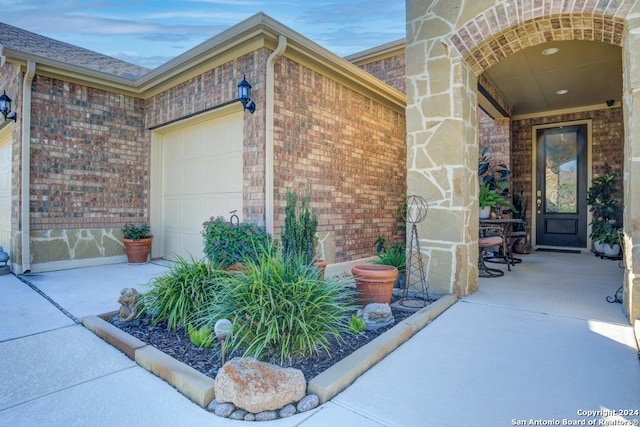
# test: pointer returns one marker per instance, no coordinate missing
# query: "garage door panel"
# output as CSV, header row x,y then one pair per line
x,y
202,176
216,206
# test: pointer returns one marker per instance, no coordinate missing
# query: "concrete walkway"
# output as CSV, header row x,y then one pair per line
x,y
539,343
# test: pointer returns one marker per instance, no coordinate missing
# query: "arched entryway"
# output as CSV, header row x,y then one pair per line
x,y
449,44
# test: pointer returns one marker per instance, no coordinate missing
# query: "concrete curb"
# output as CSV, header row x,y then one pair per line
x,y
199,387
341,375
193,384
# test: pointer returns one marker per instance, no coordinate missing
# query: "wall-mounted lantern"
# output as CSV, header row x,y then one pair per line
x,y
5,107
244,95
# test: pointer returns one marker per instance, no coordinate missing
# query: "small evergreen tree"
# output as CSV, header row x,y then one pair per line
x,y
300,225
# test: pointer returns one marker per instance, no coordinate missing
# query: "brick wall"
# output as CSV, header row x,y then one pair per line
x,y
348,150
607,145
390,70
495,135
212,89
89,156
11,83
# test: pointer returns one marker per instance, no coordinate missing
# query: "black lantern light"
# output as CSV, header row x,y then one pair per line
x,y
5,107
244,95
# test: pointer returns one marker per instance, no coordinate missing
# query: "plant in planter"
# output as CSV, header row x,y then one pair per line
x,y
606,212
489,198
298,238
137,242
227,244
494,181
395,256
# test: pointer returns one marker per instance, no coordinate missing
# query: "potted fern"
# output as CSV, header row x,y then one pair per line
x,y
137,242
489,198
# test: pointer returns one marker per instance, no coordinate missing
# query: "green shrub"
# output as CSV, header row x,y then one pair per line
x,y
136,232
300,224
356,325
226,244
200,337
179,292
281,310
395,256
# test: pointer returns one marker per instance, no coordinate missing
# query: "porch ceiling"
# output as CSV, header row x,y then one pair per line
x,y
591,72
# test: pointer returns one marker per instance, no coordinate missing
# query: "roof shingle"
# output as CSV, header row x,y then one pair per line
x,y
24,41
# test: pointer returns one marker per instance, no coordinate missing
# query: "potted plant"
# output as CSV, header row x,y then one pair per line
x,y
298,238
606,213
374,282
137,242
228,245
494,185
395,256
489,198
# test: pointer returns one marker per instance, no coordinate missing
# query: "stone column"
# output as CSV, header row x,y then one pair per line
x,y
442,150
631,111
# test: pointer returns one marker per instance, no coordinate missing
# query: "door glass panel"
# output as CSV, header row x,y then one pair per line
x,y
561,173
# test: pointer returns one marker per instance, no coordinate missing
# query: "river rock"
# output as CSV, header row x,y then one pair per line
x,y
257,386
376,315
224,409
266,416
287,411
238,414
308,403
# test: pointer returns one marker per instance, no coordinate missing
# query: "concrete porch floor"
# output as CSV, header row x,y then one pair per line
x,y
540,342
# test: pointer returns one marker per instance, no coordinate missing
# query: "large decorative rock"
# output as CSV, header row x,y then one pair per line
x,y
376,316
258,387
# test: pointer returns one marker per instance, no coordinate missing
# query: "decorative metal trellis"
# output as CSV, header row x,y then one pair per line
x,y
415,213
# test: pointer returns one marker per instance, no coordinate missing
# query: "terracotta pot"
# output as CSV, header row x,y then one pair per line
x,y
374,282
137,250
321,265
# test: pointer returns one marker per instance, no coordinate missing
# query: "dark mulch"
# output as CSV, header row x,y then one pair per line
x,y
208,360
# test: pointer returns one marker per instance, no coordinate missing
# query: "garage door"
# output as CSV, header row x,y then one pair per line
x,y
5,188
201,177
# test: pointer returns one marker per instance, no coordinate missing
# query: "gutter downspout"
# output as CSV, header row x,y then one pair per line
x,y
269,125
26,167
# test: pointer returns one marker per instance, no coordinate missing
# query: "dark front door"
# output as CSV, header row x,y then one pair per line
x,y
561,187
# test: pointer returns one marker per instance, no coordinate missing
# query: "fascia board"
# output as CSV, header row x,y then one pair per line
x,y
378,53
69,72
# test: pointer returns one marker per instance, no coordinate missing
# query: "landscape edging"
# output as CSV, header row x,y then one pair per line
x,y
199,387
342,374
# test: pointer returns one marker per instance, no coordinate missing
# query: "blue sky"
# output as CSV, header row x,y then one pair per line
x,y
150,33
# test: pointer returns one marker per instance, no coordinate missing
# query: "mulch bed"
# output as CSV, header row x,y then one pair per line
x,y
208,360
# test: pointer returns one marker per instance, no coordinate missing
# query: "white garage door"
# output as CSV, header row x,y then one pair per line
x,y
5,188
201,177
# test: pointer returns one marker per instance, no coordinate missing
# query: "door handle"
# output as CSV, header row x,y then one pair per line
x,y
538,204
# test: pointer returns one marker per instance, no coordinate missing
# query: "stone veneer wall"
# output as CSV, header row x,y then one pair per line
x,y
214,88
89,156
389,70
348,150
449,43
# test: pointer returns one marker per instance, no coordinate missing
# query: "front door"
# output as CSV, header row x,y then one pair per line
x,y
561,186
